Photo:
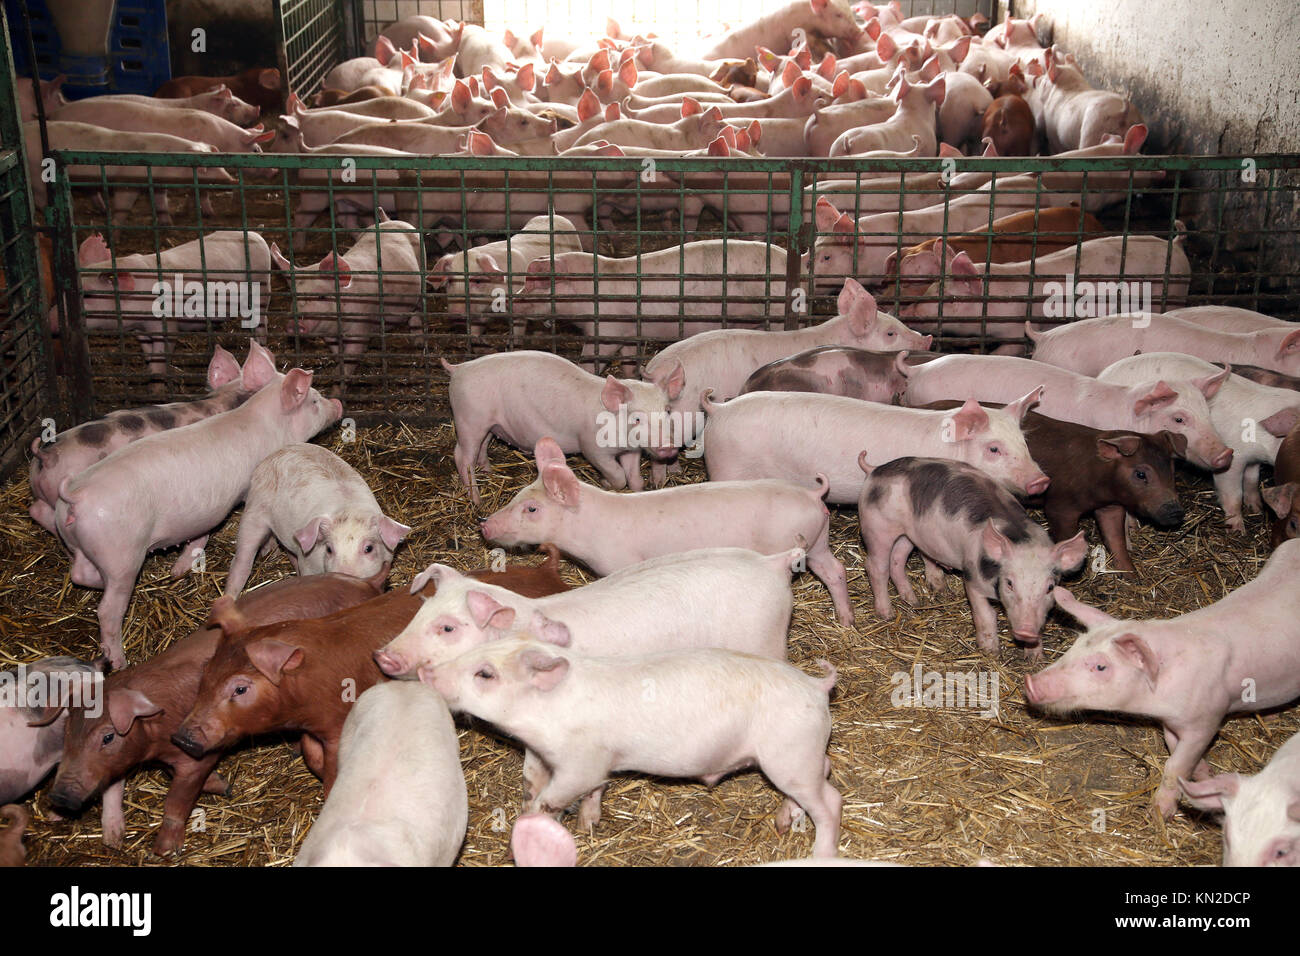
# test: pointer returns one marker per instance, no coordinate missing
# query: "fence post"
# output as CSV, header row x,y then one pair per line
x,y
794,244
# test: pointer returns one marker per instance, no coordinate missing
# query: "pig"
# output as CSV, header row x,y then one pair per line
x,y
795,435
75,449
218,101
145,116
1265,376
799,100
825,127
835,370
1226,318
607,531
1072,114
540,840
290,672
777,719
1239,410
12,851
960,518
472,277
1149,406
961,114
47,92
118,293
522,397
694,130
31,726
348,298
322,513
176,486
1261,812
400,796
831,18
914,116
1088,346
259,86
722,359
145,705
1283,499
436,39
1009,123
1186,672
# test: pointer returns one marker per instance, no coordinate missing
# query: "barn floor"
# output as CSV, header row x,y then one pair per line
x,y
924,786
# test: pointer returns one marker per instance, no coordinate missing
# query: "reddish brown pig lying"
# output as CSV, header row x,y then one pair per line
x,y
1265,376
144,705
12,851
305,675
258,86
1284,497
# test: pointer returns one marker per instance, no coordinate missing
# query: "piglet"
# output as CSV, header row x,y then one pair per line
x,y
835,370
31,735
963,520
1261,824
1238,655
75,449
1283,499
400,797
176,486
320,510
12,851
586,717
607,531
523,397
145,704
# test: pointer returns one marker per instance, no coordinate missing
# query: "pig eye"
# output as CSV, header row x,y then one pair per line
x,y
1140,475
370,549
486,673
995,449
1178,419
329,550
239,691
108,738
1099,667
532,509
448,629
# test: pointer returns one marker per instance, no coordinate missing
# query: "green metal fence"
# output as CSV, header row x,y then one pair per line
x,y
1237,214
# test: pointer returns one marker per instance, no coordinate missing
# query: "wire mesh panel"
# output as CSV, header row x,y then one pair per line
x,y
313,39
607,260
375,15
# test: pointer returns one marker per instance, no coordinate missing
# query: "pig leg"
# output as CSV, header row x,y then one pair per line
x,y
536,776
935,579
468,448
1192,742
631,464
898,555
217,784
189,553
879,544
1202,770
589,808
331,763
43,515
205,204
254,534
811,792
111,613
187,781
570,783
1250,488
1110,522
608,464
986,620
123,200
160,207
111,818
823,563
313,754
1228,486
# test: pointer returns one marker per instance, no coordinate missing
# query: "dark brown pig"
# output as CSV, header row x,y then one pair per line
x,y
834,370
305,675
145,703
1265,376
1284,497
259,86
12,851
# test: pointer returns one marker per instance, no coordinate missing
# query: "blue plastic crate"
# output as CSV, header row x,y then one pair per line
x,y
138,60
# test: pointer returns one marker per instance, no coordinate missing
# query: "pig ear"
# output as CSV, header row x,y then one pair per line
x,y
279,259
540,840
223,369
1209,794
561,485
548,452
1134,138
437,573
1279,424
272,658
1161,394
391,532
93,249
552,632
994,542
336,263
1111,449
886,48
544,671
827,215
1085,614
259,367
627,72
125,705
308,534
1018,408
526,78
1174,443
294,389
1280,498
227,616
801,88
673,382
614,394
1211,384
460,96
1289,344
962,265
588,105
969,420
1068,555
488,612
1138,653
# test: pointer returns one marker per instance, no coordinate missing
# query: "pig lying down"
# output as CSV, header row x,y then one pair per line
x,y
714,712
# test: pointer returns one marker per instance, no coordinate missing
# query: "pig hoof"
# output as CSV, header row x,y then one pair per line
x,y
217,784
787,815
1236,525
115,836
1165,805
1034,652
168,841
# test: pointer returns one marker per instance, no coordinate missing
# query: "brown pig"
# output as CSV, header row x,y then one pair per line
x,y
145,703
1009,123
12,851
1284,497
259,86
305,675
1265,376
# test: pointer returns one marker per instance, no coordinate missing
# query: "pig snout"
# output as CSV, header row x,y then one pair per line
x,y
66,801
1222,460
1168,515
190,740
1037,485
394,665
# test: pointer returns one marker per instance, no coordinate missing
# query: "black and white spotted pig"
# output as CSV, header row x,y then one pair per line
x,y
32,718
961,519
835,370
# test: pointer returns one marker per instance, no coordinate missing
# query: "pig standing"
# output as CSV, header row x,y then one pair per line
x,y
959,518
607,531
794,436
400,797
1283,499
176,486
835,370
320,510
75,449
523,397
714,712
146,702
1252,420
31,736
1187,672
1261,824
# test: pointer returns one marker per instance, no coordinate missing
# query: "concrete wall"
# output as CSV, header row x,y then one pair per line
x,y
1217,77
